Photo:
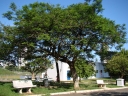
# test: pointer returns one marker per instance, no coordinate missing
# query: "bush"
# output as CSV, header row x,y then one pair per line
x,y
11,68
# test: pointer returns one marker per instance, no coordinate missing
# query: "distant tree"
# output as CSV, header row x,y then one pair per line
x,y
118,64
36,66
84,68
11,68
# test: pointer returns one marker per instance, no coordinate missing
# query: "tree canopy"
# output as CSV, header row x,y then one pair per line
x,y
84,68
36,66
118,64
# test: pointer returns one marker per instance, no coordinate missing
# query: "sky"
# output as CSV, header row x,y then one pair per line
x,y
116,10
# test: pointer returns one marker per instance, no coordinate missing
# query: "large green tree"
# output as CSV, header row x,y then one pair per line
x,y
83,32
118,64
66,34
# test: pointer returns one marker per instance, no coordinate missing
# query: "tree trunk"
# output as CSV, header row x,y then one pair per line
x,y
76,83
75,77
58,73
79,79
33,76
122,76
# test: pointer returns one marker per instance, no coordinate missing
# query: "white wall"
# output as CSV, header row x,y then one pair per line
x,y
63,71
99,66
51,73
63,68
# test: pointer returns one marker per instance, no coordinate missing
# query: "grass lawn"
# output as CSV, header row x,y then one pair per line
x,y
6,89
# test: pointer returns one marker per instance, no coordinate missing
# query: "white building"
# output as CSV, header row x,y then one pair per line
x,y
64,69
100,72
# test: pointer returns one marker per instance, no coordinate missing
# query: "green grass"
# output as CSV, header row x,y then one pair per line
x,y
5,72
88,84
6,89
53,88
7,75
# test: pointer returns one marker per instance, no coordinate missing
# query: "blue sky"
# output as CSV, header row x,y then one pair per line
x,y
116,10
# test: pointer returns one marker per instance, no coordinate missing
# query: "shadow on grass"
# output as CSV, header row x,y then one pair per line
x,y
56,85
64,85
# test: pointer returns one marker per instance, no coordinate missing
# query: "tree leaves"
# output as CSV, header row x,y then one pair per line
x,y
118,64
84,68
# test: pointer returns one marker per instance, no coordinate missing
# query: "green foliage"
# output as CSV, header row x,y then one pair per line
x,y
7,39
84,68
11,68
37,65
118,64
